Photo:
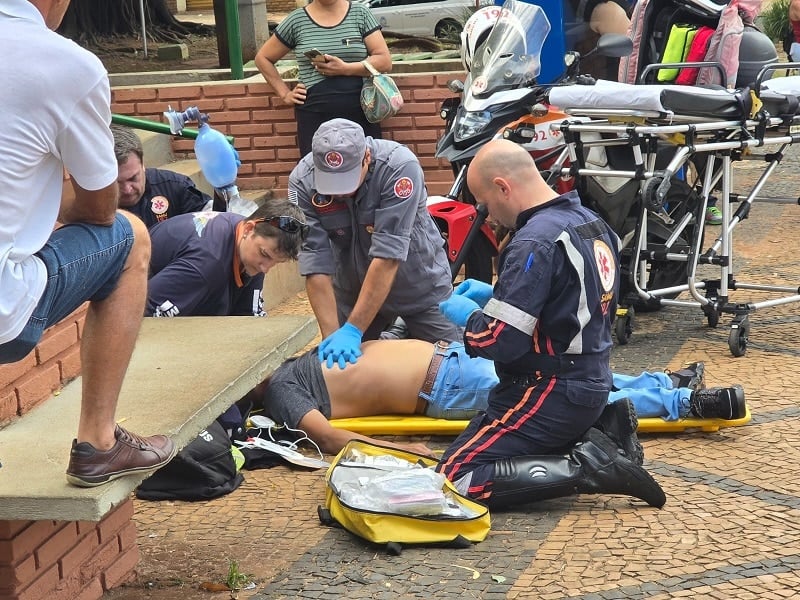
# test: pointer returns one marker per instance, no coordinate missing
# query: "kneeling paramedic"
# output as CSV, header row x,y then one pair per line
x,y
546,432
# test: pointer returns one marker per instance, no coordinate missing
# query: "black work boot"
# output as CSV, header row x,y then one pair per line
x,y
718,403
593,466
692,376
619,422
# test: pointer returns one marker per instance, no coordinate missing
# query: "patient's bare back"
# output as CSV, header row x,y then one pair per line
x,y
385,380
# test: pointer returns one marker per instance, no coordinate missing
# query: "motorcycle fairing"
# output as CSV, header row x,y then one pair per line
x,y
510,57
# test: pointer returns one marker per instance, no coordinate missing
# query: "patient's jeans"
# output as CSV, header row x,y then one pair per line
x,y
462,384
462,387
652,395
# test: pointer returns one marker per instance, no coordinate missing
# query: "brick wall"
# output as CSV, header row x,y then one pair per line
x,y
67,560
273,6
54,362
199,4
264,127
281,6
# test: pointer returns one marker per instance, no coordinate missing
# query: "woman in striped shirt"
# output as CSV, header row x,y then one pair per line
x,y
330,39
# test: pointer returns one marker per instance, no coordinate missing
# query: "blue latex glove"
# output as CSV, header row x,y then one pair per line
x,y
475,290
342,346
458,309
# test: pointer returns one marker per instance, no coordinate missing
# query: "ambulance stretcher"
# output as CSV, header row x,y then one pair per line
x,y
705,130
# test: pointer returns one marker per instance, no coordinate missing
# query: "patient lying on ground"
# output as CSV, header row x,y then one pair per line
x,y
407,377
391,377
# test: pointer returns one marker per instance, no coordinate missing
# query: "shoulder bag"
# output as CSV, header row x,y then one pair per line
x,y
380,98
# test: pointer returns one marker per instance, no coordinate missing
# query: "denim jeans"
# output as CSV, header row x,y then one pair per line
x,y
84,262
462,384
652,395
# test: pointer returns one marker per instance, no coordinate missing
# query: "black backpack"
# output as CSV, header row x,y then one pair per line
x,y
203,470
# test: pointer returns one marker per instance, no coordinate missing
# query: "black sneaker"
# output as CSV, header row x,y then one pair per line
x,y
718,403
692,376
619,422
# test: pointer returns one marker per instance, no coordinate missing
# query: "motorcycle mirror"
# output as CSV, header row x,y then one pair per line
x,y
456,86
614,45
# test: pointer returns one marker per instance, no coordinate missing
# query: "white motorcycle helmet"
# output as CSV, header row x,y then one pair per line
x,y
475,32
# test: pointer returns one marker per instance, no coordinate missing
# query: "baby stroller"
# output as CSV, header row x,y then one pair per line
x,y
677,31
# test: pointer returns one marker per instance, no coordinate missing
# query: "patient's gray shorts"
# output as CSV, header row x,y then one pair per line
x,y
296,388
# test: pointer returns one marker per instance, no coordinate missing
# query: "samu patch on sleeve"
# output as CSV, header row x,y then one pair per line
x,y
605,265
403,187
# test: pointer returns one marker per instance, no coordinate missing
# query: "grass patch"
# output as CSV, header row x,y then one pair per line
x,y
775,20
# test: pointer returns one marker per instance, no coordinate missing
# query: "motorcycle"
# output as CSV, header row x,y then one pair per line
x,y
500,98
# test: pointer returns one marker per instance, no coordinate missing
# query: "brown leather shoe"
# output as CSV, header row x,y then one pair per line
x,y
89,467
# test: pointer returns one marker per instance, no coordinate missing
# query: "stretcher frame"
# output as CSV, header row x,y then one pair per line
x,y
422,425
717,142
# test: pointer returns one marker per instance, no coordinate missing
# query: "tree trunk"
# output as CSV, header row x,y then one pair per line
x,y
87,21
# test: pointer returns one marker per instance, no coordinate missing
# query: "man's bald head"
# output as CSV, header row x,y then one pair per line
x,y
505,178
502,158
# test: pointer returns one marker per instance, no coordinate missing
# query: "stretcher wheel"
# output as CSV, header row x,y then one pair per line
x,y
649,196
624,325
394,549
712,316
737,340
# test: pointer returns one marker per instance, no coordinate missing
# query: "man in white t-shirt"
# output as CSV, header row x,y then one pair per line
x,y
55,103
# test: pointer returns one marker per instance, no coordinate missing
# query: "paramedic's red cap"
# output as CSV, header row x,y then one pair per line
x,y
338,149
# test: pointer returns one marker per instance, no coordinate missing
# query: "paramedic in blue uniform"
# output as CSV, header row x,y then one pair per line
x,y
213,263
374,252
547,326
153,195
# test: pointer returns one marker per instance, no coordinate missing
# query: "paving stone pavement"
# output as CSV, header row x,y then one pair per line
x,y
730,527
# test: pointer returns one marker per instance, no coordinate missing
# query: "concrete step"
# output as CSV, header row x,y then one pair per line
x,y
282,282
157,148
191,169
183,374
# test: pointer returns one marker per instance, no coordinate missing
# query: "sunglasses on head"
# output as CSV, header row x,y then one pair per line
x,y
287,224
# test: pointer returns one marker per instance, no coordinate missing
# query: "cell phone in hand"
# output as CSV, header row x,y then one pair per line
x,y
314,55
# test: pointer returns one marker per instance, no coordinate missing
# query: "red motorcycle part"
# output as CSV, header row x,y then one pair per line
x,y
458,218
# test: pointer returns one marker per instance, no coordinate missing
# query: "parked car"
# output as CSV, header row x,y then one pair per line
x,y
434,18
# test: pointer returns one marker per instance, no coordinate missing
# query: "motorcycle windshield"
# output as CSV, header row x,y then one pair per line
x,y
510,57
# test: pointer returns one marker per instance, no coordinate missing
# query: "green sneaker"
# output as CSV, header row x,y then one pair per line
x,y
713,216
